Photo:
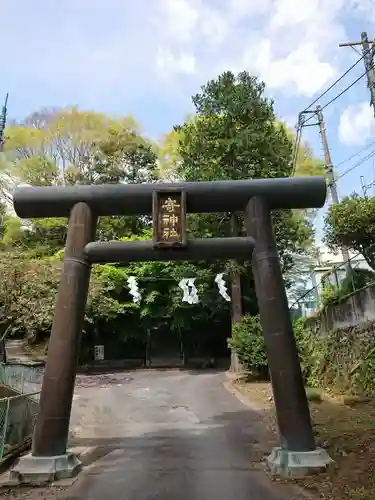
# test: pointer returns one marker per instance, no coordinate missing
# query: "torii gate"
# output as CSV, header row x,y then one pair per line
x,y
83,205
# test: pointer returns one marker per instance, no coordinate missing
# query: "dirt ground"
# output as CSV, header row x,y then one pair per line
x,y
346,431
26,493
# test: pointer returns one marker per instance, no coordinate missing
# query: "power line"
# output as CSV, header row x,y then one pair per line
x,y
336,82
302,122
339,79
356,165
337,96
355,154
345,90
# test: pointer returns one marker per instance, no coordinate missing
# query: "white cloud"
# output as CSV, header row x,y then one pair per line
x,y
357,124
301,69
180,19
292,49
364,7
139,45
169,61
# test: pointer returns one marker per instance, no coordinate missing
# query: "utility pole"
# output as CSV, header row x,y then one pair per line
x,y
3,119
368,58
330,173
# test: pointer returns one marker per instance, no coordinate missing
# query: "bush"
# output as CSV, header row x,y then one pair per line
x,y
302,337
342,360
331,295
247,341
353,281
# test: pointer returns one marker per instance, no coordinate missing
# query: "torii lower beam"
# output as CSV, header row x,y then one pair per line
x,y
101,252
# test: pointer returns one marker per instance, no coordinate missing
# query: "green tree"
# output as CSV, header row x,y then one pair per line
x,y
351,223
69,146
27,296
235,135
124,155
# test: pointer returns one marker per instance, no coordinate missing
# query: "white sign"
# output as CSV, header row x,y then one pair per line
x,y
99,352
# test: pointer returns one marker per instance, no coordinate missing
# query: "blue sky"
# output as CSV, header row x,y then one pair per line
x,y
147,57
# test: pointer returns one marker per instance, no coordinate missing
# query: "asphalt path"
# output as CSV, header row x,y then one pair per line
x,y
167,435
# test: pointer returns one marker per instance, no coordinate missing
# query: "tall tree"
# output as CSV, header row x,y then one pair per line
x,y
69,146
235,135
169,156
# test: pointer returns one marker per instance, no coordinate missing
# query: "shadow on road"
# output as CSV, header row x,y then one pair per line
x,y
218,459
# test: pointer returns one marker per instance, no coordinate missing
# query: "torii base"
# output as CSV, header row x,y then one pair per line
x,y
295,464
41,470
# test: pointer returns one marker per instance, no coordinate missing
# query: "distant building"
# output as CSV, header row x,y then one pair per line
x,y
331,267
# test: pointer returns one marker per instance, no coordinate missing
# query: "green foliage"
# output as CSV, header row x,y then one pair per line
x,y
352,223
37,171
233,135
27,296
310,354
123,155
331,295
354,280
69,146
342,360
247,341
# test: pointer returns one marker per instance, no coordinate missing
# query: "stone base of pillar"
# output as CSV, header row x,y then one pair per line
x,y
40,470
294,464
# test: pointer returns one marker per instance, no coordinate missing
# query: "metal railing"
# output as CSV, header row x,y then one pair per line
x,y
314,294
19,405
17,419
21,378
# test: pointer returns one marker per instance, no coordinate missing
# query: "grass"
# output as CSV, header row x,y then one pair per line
x,y
344,426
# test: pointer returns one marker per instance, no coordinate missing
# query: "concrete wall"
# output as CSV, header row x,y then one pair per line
x,y
356,309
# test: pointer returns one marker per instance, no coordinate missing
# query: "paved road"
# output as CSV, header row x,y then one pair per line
x,y
167,436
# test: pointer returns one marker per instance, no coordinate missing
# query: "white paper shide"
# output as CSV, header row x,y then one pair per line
x,y
133,289
189,289
222,286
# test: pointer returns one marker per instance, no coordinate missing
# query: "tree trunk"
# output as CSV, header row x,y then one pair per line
x,y
3,352
236,312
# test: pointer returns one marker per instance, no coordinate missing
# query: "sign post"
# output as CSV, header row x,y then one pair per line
x,y
169,219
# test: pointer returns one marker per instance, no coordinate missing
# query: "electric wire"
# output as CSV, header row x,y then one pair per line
x,y
302,123
356,165
340,78
355,154
337,96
